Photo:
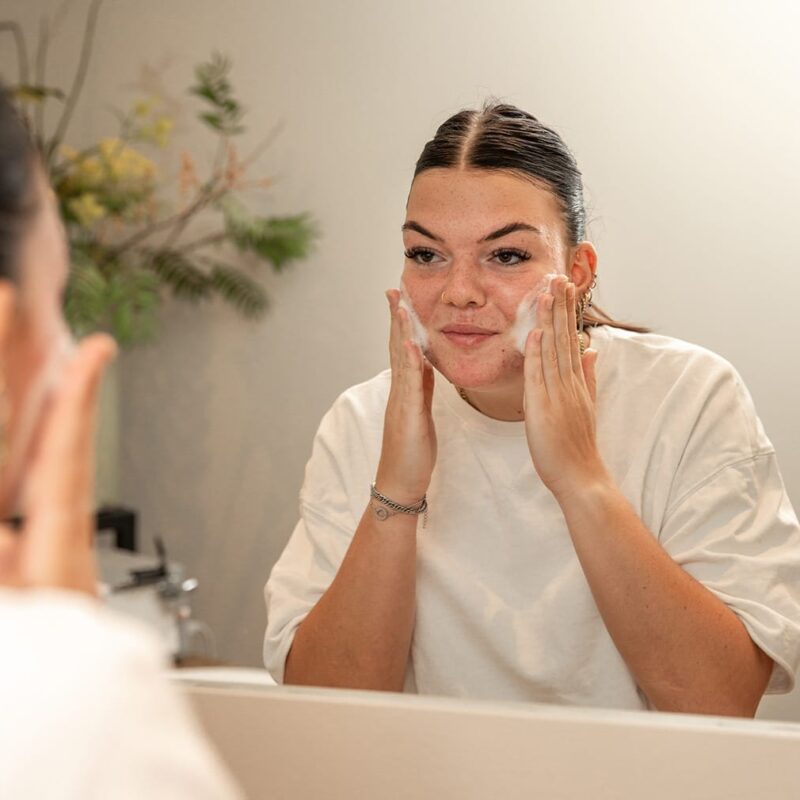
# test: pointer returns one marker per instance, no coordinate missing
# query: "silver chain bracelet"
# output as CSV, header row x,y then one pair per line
x,y
389,508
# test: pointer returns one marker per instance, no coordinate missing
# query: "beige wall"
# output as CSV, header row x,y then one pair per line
x,y
683,115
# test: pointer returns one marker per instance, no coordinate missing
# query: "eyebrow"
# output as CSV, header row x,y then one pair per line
x,y
415,226
512,227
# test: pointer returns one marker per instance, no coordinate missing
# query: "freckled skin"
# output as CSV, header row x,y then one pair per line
x,y
460,207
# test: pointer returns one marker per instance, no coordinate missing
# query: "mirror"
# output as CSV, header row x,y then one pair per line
x,y
683,121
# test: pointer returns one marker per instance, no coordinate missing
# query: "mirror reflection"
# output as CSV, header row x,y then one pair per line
x,y
454,358
603,519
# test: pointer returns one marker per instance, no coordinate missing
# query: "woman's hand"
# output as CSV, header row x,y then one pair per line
x,y
560,393
409,438
55,548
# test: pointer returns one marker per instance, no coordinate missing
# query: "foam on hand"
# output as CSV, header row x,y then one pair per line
x,y
525,320
418,333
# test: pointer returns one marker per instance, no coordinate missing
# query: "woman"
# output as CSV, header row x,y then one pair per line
x,y
606,523
87,711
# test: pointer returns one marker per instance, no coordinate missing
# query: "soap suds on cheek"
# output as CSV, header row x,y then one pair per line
x,y
525,319
418,332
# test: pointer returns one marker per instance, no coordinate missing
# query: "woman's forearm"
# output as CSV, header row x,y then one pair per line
x,y
686,649
359,633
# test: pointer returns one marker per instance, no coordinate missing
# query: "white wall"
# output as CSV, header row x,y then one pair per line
x,y
683,116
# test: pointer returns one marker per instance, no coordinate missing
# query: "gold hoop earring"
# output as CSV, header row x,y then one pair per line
x,y
584,303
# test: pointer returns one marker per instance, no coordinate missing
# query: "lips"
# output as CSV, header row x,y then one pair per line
x,y
467,336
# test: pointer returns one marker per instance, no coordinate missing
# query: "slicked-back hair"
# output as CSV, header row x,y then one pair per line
x,y
505,138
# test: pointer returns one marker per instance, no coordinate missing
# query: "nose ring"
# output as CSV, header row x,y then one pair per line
x,y
444,298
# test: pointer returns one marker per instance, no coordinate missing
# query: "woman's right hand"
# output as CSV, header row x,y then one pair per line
x,y
409,437
55,549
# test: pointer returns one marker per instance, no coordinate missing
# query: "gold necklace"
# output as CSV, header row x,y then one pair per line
x,y
463,395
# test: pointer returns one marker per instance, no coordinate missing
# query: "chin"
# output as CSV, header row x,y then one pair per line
x,y
476,371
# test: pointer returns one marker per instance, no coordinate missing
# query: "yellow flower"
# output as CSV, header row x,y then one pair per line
x,y
89,172
68,153
86,209
157,132
110,147
124,165
162,128
144,107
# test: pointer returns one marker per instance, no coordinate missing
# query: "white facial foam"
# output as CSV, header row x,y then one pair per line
x,y
525,320
418,332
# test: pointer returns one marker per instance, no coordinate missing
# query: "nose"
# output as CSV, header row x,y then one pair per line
x,y
463,288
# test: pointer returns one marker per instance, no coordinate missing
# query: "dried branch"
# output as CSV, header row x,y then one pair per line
x,y
212,238
180,225
61,13
40,67
80,77
271,136
22,51
219,157
206,198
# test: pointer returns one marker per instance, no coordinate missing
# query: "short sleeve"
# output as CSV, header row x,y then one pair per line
x,y
333,497
737,534
298,580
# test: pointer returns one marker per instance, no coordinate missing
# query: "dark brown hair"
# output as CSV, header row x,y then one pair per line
x,y
17,165
503,137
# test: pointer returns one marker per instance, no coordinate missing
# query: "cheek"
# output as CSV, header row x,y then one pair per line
x,y
27,358
509,295
423,294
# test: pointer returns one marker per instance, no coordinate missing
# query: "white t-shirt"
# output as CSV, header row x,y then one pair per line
x,y
503,608
86,711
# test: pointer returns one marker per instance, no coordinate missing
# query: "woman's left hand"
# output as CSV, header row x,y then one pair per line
x,y
560,393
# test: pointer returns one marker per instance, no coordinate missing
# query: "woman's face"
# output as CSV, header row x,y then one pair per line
x,y
477,243
37,341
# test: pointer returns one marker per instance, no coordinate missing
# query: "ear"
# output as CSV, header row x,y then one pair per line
x,y
583,266
8,303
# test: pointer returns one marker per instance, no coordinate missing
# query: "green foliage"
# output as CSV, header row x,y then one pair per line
x,y
279,240
190,281
133,298
122,300
185,278
239,289
212,85
128,247
85,297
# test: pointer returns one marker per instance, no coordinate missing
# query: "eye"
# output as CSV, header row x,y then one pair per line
x,y
510,257
422,255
